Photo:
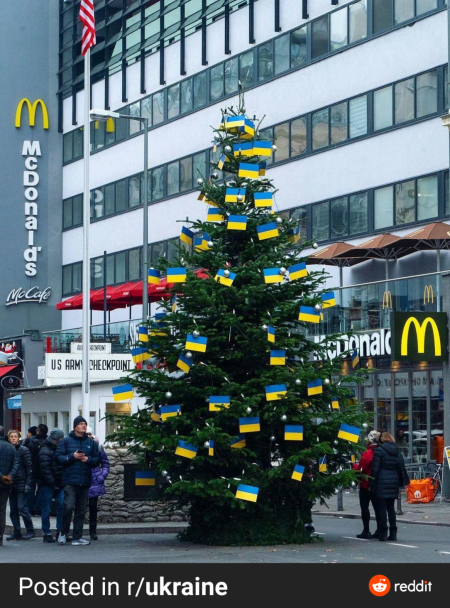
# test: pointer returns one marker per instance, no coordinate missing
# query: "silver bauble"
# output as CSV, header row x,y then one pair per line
x,y
243,110
298,381
315,245
215,175
217,136
239,198
227,149
226,273
274,148
249,410
326,381
210,244
168,395
188,355
279,220
353,484
364,425
200,181
336,442
264,327
283,270
206,444
318,307
164,473
196,333
283,418
272,438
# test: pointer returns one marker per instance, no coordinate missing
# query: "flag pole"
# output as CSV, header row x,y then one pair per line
x,y
86,225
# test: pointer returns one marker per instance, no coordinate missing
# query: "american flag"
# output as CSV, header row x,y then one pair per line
x,y
87,18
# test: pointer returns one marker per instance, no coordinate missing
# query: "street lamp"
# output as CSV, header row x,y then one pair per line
x,y
104,116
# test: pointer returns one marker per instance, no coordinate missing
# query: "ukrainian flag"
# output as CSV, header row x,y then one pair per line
x,y
238,442
350,433
248,130
197,344
221,162
159,318
355,358
237,222
156,415
217,404
248,170
123,392
231,195
307,313
335,404
323,464
262,169
154,276
277,357
249,493
249,425
198,243
215,215
221,278
263,199
297,473
184,363
188,450
271,334
233,123
297,271
174,303
272,275
267,231
275,392
328,299
176,275
315,388
262,148
167,411
143,333
293,432
187,236
139,354
244,149
294,234
144,478
211,447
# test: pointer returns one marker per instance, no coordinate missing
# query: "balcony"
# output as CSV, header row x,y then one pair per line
x,y
120,335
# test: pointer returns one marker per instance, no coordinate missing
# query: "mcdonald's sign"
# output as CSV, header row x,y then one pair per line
x,y
32,109
428,294
419,336
387,300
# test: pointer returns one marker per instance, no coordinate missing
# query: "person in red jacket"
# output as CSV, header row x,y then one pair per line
x,y
365,496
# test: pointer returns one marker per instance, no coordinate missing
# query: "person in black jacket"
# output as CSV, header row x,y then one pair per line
x,y
8,467
386,485
51,484
34,445
31,434
78,454
21,486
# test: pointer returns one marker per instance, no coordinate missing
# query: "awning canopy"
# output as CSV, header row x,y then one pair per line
x,y
329,255
384,246
5,369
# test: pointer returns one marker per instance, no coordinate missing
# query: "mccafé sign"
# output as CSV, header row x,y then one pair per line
x,y
419,336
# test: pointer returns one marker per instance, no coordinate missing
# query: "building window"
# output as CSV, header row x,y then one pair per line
x,y
427,198
158,108
173,178
186,174
382,108
339,217
216,83
404,10
265,61
231,76
186,96
358,116
382,15
405,198
321,221
281,133
338,29
320,129
426,94
383,207
357,21
173,101
298,136
115,409
282,54
338,123
200,90
423,6
298,47
404,101
320,36
359,208
246,71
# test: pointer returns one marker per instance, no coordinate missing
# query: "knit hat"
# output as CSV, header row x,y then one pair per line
x,y
56,434
78,421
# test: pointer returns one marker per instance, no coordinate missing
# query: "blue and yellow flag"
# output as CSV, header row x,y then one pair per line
x,y
297,271
271,334
219,403
168,411
184,363
297,473
154,276
277,357
221,161
176,275
144,478
225,280
323,464
238,442
123,392
243,149
263,199
197,344
275,392
249,424
143,333
267,231
156,414
231,195
308,314
249,493
262,169
262,148
187,236
328,299
201,242
139,354
188,450
355,358
293,432
349,433
294,234
215,215
174,306
248,130
237,222
232,123
335,404
211,447
272,275
248,170
315,387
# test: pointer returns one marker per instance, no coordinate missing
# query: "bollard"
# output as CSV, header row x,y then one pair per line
x,y
340,503
399,503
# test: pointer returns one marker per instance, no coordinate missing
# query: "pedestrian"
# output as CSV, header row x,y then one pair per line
x,y
401,442
34,445
8,468
97,489
30,434
21,486
51,482
386,471
78,454
365,496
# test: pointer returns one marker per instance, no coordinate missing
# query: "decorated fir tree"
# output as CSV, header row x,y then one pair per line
x,y
246,419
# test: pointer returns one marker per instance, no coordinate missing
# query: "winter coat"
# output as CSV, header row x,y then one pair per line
x,y
385,471
9,461
22,479
34,445
365,465
51,471
76,472
99,474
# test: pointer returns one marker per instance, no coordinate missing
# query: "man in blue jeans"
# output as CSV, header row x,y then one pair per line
x,y
51,483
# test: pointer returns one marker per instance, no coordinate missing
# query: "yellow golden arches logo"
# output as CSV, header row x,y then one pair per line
x,y
32,108
428,294
421,328
387,300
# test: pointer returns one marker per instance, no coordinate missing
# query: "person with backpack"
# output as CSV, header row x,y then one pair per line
x,y
51,483
97,489
34,445
9,464
21,486
78,454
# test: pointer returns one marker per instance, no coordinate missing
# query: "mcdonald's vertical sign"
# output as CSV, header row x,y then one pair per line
x,y
419,336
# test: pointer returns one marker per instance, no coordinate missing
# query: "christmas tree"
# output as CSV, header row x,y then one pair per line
x,y
246,419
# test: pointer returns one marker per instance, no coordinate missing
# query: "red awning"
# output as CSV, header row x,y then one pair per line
x,y
5,369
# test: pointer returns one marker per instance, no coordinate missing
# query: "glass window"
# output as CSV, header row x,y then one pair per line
x,y
158,108
135,125
199,165
98,133
321,222
423,6
146,108
134,191
109,194
320,129
109,269
246,71
426,91
134,264
97,200
383,207
110,132
67,280
200,90
384,402
186,96
77,277
120,263
301,216
173,178
158,251
405,198
338,29
338,122
404,101
121,128
404,10
216,82
157,183
319,36
358,116
97,272
186,174
265,60
359,211
67,213
78,143
282,141
339,217
67,147
298,47
436,413
77,210
231,76
121,195
173,101
382,15
382,108
172,250
358,21
447,197
281,54
445,87
298,136
427,197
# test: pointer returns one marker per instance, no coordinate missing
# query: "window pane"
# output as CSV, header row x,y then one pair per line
x,y
405,202
427,197
134,268
339,217
109,194
121,128
404,10
173,178
445,87
172,250
423,6
99,135
426,91
267,135
358,116
67,147
135,125
186,96
320,129
231,76
319,37
281,134
320,222
382,108
282,54
120,259
382,15
134,194
199,167
77,277
146,108
358,21
97,200
447,196
359,213
157,183
265,60
158,250
200,90
121,195
78,143
383,207
67,213
298,136
338,122
77,210
338,29
173,101
298,47
186,174
301,216
67,280
158,108
246,69
216,84
404,101
109,269
97,272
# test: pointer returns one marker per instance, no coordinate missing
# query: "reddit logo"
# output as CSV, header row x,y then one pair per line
x,y
379,585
